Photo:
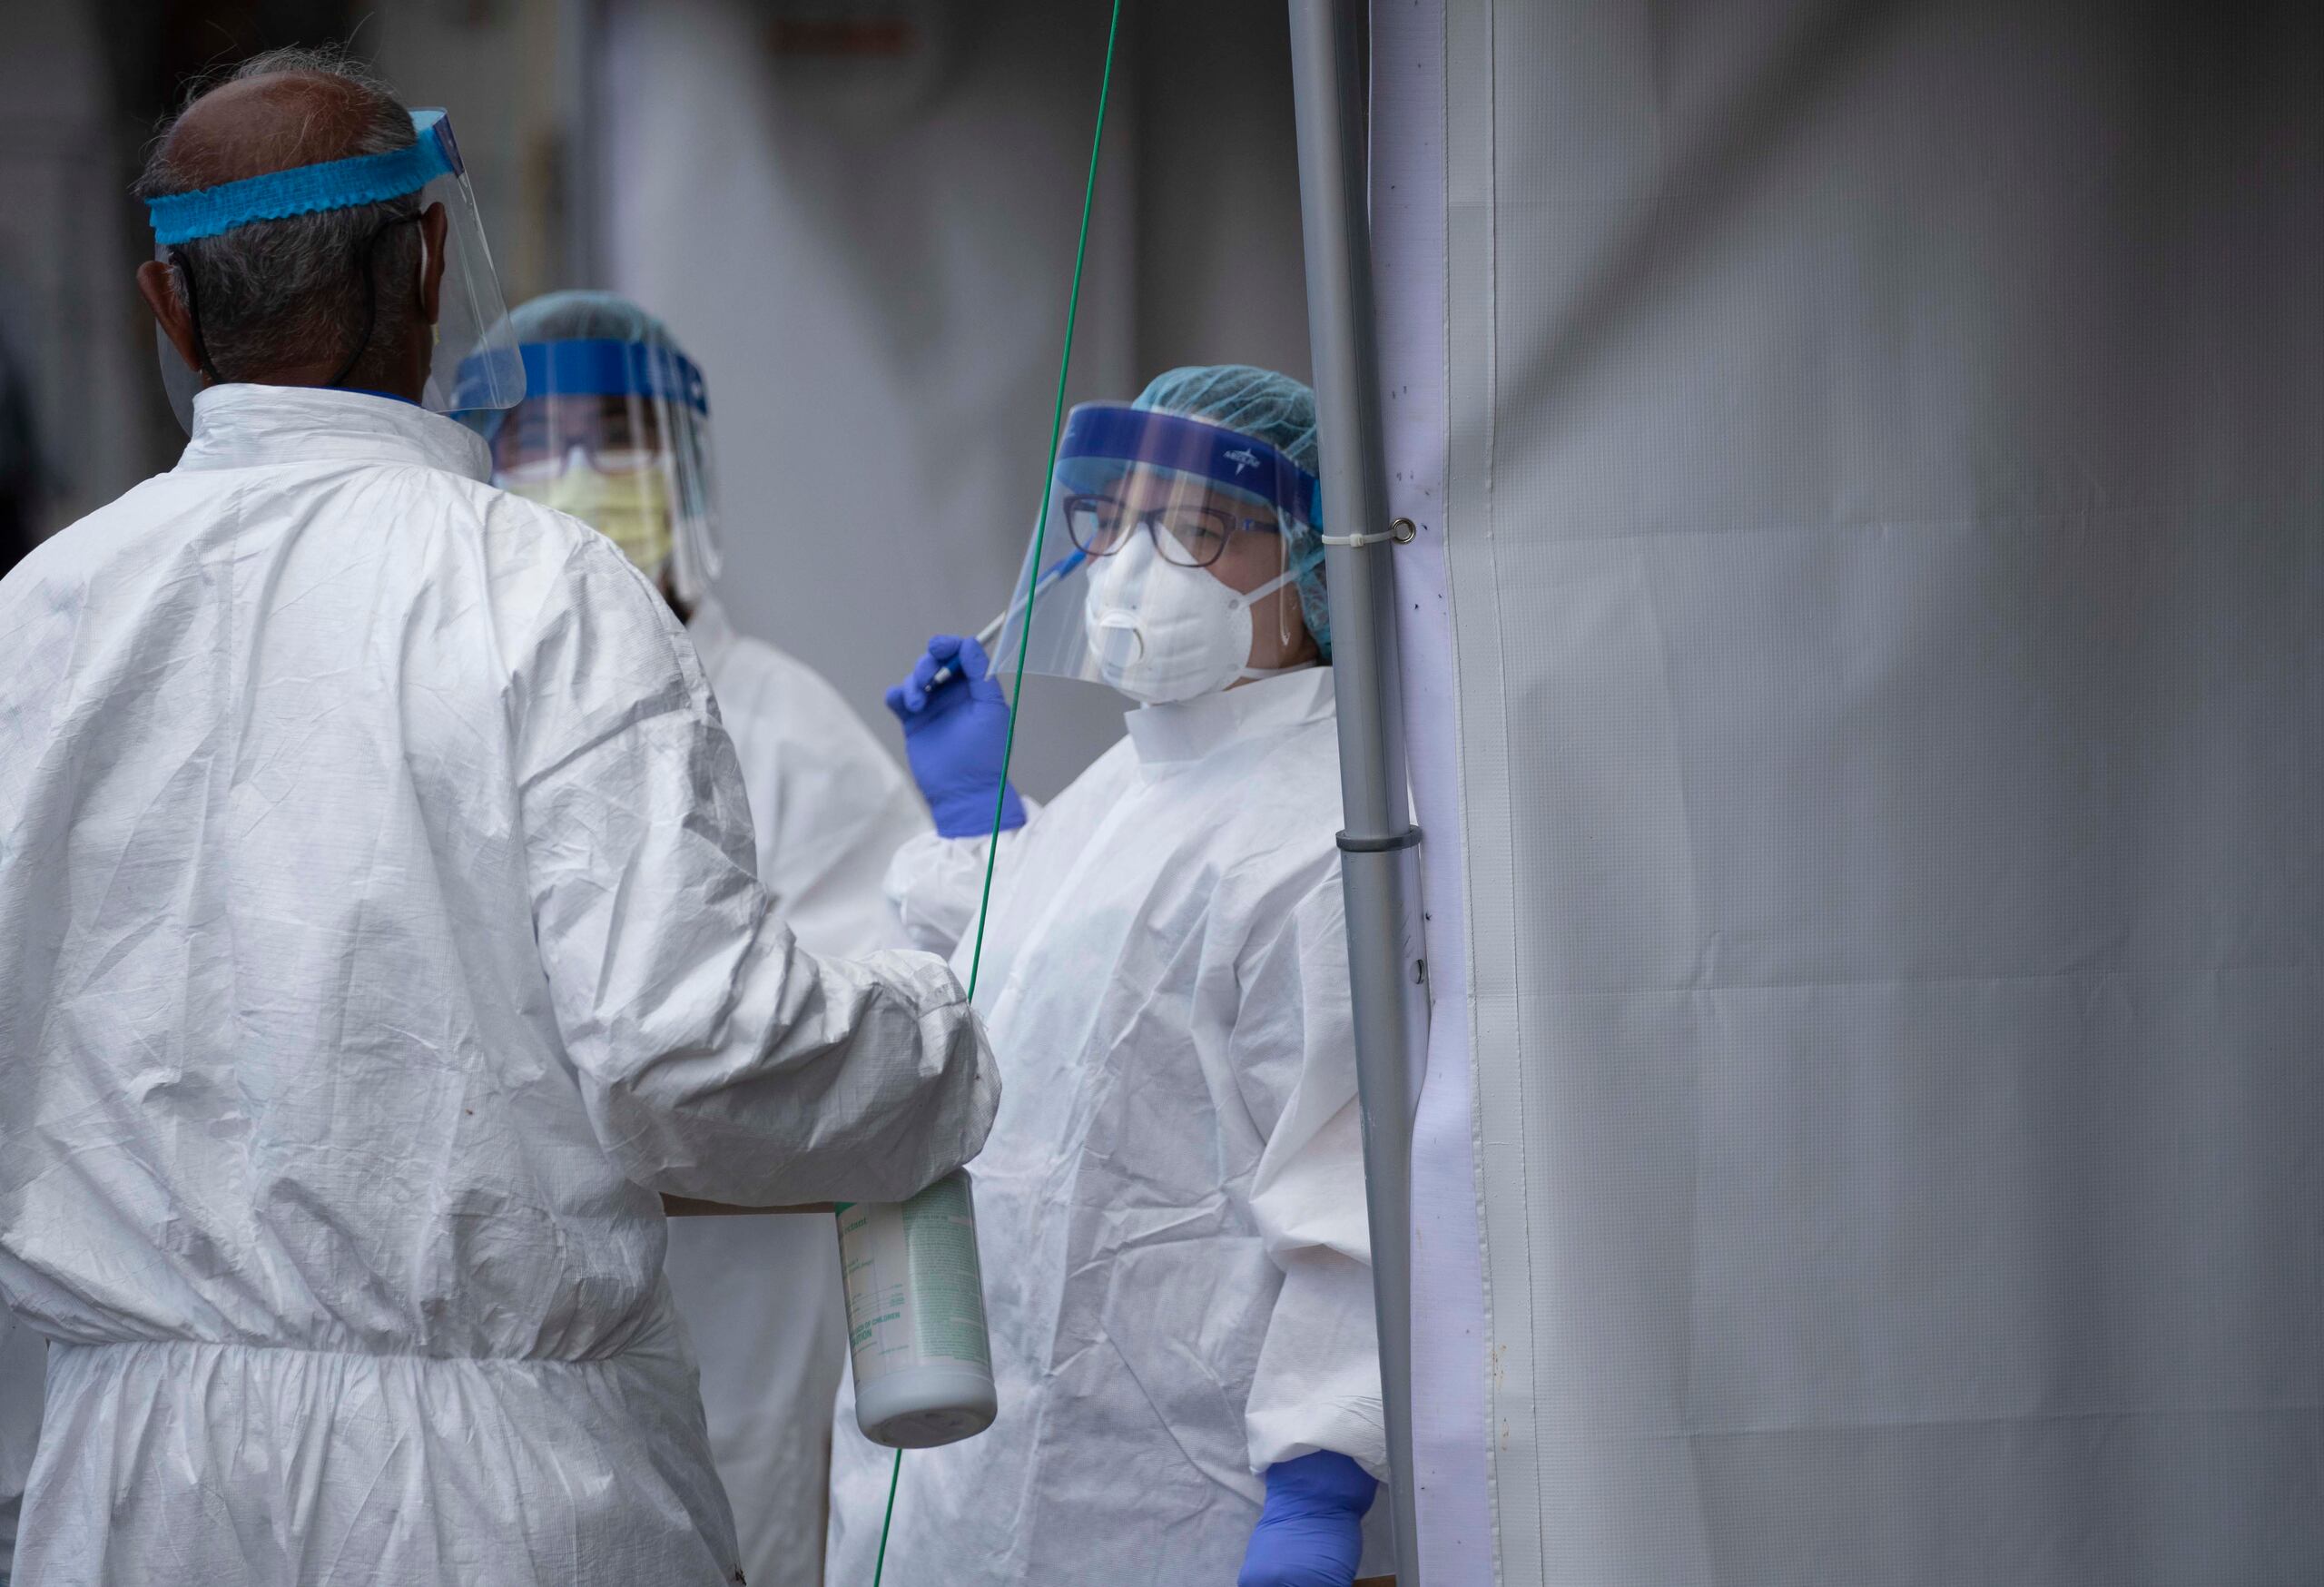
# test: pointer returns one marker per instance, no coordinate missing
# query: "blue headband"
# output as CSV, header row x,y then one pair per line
x,y
603,366
306,190
1111,434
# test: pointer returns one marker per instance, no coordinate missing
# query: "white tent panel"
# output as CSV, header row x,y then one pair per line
x,y
1887,601
1452,1493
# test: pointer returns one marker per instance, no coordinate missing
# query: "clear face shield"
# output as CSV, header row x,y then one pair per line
x,y
1170,559
475,366
618,433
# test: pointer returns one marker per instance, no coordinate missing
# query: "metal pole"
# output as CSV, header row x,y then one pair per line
x,y
1379,849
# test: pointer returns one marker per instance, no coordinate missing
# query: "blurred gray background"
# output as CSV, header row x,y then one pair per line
x,y
858,215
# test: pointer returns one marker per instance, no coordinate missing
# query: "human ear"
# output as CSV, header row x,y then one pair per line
x,y
157,283
433,225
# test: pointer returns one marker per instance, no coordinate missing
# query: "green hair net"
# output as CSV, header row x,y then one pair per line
x,y
1270,408
587,317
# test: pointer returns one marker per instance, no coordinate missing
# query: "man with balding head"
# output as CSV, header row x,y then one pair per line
x,y
378,933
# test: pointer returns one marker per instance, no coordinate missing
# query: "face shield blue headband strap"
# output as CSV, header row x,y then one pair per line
x,y
595,367
306,190
1103,440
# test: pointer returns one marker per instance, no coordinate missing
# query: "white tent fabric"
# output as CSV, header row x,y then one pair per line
x,y
1452,1493
1881,490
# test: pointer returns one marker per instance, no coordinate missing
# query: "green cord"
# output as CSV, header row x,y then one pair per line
x,y
1041,513
895,1475
1024,632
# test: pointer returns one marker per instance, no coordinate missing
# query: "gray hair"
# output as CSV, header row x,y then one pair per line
x,y
283,293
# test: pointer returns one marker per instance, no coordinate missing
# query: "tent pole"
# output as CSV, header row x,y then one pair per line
x,y
1379,858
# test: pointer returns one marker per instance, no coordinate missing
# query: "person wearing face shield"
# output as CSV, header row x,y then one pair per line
x,y
1171,1205
615,429
381,938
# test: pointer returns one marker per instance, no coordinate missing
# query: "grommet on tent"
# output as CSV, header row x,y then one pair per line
x,y
1402,532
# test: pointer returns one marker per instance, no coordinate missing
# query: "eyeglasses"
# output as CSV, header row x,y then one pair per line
x,y
540,437
1187,536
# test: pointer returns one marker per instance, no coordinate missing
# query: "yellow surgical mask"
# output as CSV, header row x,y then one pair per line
x,y
632,508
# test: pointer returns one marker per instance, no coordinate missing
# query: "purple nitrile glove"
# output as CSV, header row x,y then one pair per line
x,y
957,738
1311,1530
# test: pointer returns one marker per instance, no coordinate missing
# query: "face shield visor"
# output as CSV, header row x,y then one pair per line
x,y
618,433
474,365
1171,546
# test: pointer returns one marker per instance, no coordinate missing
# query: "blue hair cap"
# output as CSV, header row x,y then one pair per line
x,y
584,315
1266,407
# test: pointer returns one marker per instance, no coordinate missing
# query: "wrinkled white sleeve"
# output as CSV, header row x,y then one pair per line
x,y
936,883
1318,1385
717,1058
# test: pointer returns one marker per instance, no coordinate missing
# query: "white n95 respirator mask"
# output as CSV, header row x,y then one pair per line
x,y
1162,633
631,508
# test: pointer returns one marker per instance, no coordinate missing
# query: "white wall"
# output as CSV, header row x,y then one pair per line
x,y
874,282
495,67
1220,279
1882,474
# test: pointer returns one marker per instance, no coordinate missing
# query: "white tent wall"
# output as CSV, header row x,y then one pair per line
x,y
1882,448
1452,1471
874,277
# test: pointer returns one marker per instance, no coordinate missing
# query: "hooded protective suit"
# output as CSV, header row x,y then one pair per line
x,y
379,932
1171,1207
761,1295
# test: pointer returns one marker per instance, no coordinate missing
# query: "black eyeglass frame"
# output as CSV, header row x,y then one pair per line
x,y
1164,537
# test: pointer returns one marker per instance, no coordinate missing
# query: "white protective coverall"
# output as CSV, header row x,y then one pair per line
x,y
1171,1207
761,1295
379,932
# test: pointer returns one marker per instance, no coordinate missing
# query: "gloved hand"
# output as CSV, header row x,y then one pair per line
x,y
957,737
1311,1530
